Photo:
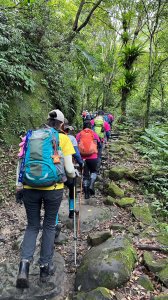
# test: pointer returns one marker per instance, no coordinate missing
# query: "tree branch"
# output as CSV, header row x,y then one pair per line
x,y
89,16
152,248
75,25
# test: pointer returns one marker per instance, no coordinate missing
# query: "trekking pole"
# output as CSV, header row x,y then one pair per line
x,y
75,219
80,199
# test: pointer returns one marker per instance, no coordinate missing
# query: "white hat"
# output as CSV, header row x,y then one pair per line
x,y
59,115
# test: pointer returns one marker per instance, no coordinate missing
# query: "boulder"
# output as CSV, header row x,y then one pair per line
x,y
100,293
139,174
115,148
117,226
163,276
145,282
107,265
109,200
142,214
123,202
117,173
126,201
61,239
114,190
98,237
152,264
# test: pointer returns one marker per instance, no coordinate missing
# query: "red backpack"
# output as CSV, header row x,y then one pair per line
x,y
87,144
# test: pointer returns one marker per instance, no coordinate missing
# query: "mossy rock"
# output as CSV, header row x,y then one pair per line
x,y
160,297
152,264
109,200
145,282
126,201
163,276
100,293
142,214
115,148
114,190
117,226
140,174
98,237
162,238
108,265
117,173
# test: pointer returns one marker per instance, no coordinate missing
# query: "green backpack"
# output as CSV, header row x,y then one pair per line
x,y
98,127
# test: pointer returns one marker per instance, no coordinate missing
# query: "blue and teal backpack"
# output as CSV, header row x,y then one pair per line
x,y
40,166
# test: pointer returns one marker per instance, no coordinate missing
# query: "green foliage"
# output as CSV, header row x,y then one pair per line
x,y
154,146
129,54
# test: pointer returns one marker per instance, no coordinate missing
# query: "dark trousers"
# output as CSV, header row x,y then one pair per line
x,y
70,184
33,200
89,167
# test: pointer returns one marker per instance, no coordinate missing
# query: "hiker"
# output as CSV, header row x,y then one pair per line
x,y
86,115
109,118
42,183
78,159
102,129
89,144
70,182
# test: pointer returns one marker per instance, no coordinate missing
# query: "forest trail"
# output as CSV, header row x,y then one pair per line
x,y
102,213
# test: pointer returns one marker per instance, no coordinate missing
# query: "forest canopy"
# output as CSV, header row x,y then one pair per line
x,y
77,54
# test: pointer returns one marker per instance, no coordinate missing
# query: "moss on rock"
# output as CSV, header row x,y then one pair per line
x,y
108,265
163,276
109,200
139,174
117,173
115,148
98,237
117,226
114,190
142,213
152,264
100,293
146,283
126,201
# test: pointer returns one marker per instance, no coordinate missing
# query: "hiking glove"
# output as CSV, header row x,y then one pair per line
x,y
77,173
19,197
82,166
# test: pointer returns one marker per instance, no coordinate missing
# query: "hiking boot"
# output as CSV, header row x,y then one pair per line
x,y
46,271
57,230
71,214
92,182
86,192
86,184
22,281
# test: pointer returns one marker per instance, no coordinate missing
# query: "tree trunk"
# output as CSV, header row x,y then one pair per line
x,y
124,95
149,85
162,97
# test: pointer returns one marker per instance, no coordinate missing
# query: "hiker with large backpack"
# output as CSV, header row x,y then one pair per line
x,y
45,155
89,145
102,129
